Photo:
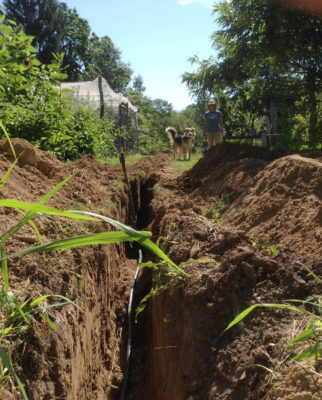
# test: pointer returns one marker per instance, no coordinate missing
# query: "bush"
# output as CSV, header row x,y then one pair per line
x,y
34,108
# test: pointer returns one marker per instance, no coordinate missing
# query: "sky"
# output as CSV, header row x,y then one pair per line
x,y
155,37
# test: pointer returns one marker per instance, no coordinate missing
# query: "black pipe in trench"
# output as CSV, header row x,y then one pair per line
x,y
130,313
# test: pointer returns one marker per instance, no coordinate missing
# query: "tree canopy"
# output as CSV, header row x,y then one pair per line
x,y
265,50
57,28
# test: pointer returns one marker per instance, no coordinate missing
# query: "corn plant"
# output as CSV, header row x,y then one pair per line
x,y
19,315
311,337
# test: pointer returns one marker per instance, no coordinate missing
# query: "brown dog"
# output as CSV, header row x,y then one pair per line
x,y
182,144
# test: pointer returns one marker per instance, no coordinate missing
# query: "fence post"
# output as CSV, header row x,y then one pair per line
x,y
100,89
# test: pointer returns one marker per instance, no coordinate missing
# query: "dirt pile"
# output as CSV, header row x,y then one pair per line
x,y
84,359
280,199
186,356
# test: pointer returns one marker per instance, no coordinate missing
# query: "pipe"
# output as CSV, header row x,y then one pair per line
x,y
130,313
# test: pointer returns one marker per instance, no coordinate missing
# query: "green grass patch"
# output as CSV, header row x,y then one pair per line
x,y
182,166
130,160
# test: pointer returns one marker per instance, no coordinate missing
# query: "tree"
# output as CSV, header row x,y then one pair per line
x,y
279,39
41,19
138,84
267,46
74,42
105,59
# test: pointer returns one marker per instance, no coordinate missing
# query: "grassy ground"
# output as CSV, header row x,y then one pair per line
x,y
130,160
179,166
182,166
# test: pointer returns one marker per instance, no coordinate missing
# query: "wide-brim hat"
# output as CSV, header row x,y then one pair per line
x,y
211,102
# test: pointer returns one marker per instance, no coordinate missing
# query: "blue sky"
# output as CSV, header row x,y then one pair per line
x,y
155,37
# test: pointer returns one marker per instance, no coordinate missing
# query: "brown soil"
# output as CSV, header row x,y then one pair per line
x,y
226,214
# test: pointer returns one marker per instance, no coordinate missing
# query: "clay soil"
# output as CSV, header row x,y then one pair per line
x,y
244,222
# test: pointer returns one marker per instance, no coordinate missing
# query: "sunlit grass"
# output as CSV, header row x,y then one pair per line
x,y
130,160
182,166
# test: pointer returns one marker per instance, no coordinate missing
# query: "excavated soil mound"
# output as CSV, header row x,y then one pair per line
x,y
250,248
280,199
84,358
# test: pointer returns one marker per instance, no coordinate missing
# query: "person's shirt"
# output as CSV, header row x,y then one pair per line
x,y
213,121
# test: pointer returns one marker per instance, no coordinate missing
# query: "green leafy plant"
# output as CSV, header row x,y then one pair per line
x,y
270,249
164,278
311,337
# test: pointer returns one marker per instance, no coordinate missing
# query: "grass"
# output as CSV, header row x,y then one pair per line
x,y
310,339
130,160
182,166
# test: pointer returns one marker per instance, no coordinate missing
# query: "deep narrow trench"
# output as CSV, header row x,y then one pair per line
x,y
142,194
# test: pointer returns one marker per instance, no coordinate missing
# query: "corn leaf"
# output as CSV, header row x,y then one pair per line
x,y
5,359
4,269
7,136
311,353
118,225
158,252
33,225
6,176
139,236
48,321
31,214
40,208
77,241
244,313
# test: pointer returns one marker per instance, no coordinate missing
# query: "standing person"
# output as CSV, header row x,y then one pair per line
x,y
213,127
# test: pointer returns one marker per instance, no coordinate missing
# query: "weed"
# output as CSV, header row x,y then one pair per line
x,y
116,183
130,159
204,179
143,175
270,249
311,337
212,211
164,278
215,218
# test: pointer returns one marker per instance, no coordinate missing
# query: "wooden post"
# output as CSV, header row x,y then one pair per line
x,y
100,89
137,132
126,179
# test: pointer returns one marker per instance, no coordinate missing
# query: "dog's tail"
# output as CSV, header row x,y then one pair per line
x,y
172,133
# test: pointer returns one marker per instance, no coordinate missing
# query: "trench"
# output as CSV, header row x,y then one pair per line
x,y
149,373
136,353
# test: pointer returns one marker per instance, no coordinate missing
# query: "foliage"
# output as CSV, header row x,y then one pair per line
x,y
34,108
57,28
75,42
266,52
155,115
311,337
41,19
105,59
